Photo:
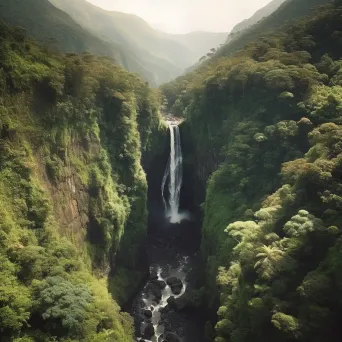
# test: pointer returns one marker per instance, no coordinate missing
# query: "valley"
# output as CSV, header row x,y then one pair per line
x,y
162,187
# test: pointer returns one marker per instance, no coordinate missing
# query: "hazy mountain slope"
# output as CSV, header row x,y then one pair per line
x,y
165,58
258,15
46,23
200,42
52,26
288,11
165,55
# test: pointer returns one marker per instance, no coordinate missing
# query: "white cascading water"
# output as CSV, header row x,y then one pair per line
x,y
173,172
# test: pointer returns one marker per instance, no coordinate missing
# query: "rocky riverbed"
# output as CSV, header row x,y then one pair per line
x,y
169,306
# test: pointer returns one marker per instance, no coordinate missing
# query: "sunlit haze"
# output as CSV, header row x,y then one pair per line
x,y
182,16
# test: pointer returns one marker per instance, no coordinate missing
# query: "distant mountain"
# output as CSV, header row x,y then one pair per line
x,y
48,24
78,26
166,56
55,28
258,15
287,12
200,42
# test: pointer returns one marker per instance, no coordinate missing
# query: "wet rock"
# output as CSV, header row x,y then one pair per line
x,y
155,290
171,301
173,281
176,290
175,284
148,331
190,300
170,337
154,275
160,283
164,274
165,309
148,313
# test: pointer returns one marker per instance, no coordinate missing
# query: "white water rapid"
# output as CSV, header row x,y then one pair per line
x,y
173,173
156,308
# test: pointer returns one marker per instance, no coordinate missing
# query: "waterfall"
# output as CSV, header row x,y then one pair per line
x,y
173,173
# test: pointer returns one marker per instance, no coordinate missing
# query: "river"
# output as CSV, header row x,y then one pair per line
x,y
168,308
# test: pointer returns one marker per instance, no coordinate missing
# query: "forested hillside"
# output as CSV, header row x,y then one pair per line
x,y
260,143
258,15
73,131
165,56
287,12
78,26
265,125
51,26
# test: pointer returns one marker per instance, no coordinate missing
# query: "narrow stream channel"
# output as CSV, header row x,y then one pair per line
x,y
165,309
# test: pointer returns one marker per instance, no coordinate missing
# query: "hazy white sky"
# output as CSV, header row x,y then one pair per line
x,y
181,16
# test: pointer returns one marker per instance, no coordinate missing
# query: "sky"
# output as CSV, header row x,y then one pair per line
x,y
182,16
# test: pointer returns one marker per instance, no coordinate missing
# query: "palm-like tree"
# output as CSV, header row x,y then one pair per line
x,y
268,257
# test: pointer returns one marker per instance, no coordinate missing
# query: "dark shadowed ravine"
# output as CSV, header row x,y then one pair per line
x,y
168,307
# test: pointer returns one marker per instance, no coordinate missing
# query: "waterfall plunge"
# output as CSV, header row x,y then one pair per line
x,y
173,173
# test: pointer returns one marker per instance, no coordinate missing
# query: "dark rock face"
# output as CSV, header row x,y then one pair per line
x,y
160,283
175,284
190,300
148,313
170,337
171,301
154,275
164,274
154,289
148,331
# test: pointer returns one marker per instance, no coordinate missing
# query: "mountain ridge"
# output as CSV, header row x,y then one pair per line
x,y
166,54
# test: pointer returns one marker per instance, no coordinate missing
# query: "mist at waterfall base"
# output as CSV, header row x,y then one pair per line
x,y
173,175
172,251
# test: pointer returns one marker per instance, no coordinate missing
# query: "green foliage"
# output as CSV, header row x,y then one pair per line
x,y
265,124
61,301
73,131
285,323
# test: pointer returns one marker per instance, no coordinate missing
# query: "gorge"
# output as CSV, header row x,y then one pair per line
x,y
166,309
219,222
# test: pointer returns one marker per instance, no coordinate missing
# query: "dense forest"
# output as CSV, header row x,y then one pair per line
x,y
72,191
261,132
266,126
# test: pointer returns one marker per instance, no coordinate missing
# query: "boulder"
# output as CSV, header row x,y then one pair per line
x,y
176,290
155,290
164,274
190,300
148,313
160,283
148,331
175,284
153,275
171,301
171,337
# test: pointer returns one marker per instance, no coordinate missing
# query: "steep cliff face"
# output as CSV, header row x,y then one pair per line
x,y
73,131
265,128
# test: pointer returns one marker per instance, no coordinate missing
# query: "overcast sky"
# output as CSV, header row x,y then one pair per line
x,y
181,16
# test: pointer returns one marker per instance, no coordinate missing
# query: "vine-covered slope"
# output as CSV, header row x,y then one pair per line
x,y
72,192
266,126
